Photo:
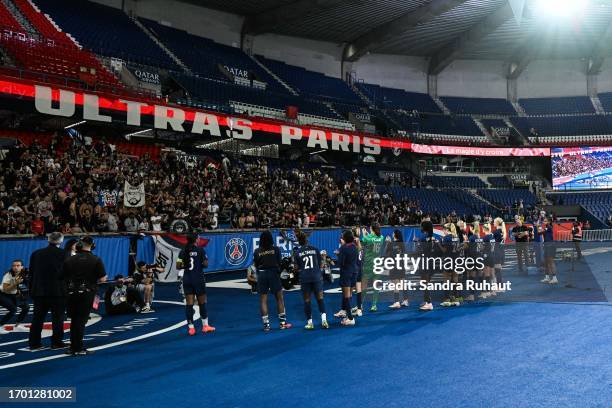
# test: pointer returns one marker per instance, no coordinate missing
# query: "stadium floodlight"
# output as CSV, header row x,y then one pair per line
x,y
560,9
75,124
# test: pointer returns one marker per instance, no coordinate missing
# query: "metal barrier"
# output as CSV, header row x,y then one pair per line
x,y
597,235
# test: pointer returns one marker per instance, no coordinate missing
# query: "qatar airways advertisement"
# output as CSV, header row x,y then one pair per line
x,y
582,168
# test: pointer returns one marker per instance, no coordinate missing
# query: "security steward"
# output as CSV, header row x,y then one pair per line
x,y
48,291
82,273
577,238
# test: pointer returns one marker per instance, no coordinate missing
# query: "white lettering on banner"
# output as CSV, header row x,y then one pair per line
x,y
340,141
317,138
147,77
133,111
165,116
289,133
91,109
173,118
44,102
204,121
240,128
243,73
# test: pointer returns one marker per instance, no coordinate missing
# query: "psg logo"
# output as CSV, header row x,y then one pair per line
x,y
236,251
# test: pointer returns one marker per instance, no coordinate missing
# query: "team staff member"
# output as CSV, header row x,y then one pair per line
x,y
10,296
267,260
546,231
429,247
48,291
82,273
308,261
577,238
348,256
192,260
522,235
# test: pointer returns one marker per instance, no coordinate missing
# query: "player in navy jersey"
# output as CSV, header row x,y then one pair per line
x,y
488,250
428,247
267,260
474,251
348,254
500,235
307,258
192,261
356,283
449,248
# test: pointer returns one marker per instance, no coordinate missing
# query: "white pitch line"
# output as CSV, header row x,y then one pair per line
x,y
115,344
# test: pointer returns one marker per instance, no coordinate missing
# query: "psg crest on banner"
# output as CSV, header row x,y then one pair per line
x,y
236,251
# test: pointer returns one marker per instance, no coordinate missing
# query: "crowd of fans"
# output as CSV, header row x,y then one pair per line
x,y
57,186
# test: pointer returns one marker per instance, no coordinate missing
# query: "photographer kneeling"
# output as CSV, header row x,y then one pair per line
x,y
144,280
122,299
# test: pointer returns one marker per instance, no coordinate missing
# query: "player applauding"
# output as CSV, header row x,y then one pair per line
x,y
192,260
308,261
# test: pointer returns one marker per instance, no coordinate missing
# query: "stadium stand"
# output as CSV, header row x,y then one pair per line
x,y
49,51
456,181
89,24
499,182
311,83
478,106
597,203
557,106
508,198
390,98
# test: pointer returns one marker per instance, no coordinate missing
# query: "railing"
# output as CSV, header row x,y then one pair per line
x,y
597,235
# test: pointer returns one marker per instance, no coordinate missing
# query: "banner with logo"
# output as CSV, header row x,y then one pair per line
x,y
234,251
108,198
146,75
482,151
134,196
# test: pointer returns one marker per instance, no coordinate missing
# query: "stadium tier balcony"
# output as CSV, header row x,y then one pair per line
x,y
224,93
557,106
455,181
597,203
310,83
499,182
436,124
391,98
505,198
478,106
107,31
564,125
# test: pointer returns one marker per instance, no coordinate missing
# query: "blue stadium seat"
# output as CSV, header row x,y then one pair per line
x,y
478,106
391,98
506,198
107,31
551,106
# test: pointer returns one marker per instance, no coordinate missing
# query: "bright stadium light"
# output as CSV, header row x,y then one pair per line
x,y
560,9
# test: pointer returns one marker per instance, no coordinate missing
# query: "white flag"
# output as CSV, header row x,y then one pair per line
x,y
166,255
133,196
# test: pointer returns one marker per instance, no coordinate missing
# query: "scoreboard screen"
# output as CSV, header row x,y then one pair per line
x,y
582,168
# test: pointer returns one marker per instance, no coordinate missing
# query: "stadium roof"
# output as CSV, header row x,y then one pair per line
x,y
442,30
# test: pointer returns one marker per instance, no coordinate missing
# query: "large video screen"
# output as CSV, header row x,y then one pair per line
x,y
582,168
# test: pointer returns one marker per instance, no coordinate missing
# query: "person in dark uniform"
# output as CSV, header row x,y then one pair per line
x,y
522,235
397,248
267,260
82,273
348,256
308,261
546,231
48,291
577,238
192,260
428,247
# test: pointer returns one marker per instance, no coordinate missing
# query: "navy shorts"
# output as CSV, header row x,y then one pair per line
x,y
194,286
346,280
268,281
312,287
356,278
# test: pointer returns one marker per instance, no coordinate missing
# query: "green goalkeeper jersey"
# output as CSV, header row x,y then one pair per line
x,y
372,247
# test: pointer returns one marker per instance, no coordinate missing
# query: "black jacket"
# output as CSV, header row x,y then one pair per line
x,y
46,277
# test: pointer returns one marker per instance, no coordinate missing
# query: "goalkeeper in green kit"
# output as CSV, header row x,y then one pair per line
x,y
372,244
